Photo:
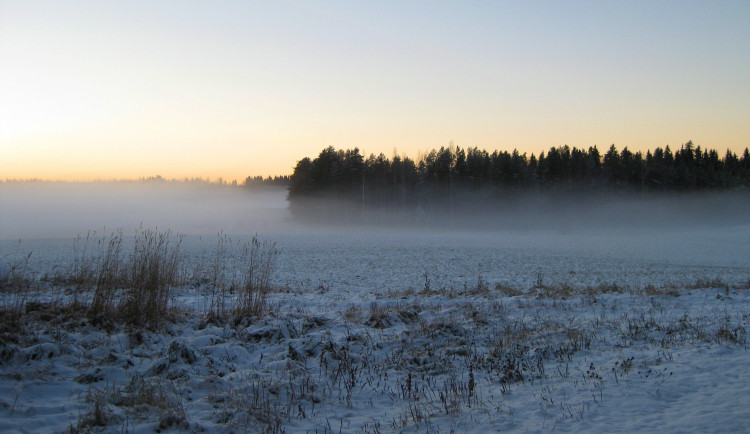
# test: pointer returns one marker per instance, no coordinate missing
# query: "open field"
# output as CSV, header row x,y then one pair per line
x,y
383,332
563,327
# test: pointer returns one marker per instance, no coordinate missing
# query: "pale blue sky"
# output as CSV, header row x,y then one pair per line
x,y
130,89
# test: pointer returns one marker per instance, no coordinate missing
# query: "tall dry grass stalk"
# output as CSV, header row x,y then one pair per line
x,y
152,273
260,261
109,275
217,308
82,269
133,289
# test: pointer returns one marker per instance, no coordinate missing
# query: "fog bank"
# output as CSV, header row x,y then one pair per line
x,y
53,210
540,212
63,210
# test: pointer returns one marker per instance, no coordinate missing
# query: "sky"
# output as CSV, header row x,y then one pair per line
x,y
122,90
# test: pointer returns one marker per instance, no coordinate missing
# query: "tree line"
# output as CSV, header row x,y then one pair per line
x,y
259,181
457,176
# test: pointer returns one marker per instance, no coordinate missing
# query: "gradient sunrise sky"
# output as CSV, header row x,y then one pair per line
x,y
127,89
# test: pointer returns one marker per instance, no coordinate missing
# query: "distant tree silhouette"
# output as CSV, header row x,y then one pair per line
x,y
259,181
448,178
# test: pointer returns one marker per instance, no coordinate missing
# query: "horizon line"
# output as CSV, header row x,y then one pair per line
x,y
218,181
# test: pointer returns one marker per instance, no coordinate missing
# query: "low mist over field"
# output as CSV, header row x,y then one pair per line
x,y
542,212
53,210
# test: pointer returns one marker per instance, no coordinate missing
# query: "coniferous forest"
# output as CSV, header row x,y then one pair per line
x,y
454,179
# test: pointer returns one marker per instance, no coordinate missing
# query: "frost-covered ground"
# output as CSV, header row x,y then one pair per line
x,y
405,332
385,330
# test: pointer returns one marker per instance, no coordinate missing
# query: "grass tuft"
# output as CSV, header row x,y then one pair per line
x,y
152,274
259,262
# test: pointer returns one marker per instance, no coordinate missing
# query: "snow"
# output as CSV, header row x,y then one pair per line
x,y
395,331
383,333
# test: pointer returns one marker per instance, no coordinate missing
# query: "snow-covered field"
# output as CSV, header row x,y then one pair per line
x,y
388,331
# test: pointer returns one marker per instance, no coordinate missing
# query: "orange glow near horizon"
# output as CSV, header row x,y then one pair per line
x,y
246,89
56,164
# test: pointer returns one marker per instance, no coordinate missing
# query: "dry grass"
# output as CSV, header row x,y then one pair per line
x,y
152,274
450,363
134,290
259,263
716,282
13,305
105,276
508,290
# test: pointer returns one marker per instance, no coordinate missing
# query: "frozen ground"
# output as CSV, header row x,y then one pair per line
x,y
390,331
